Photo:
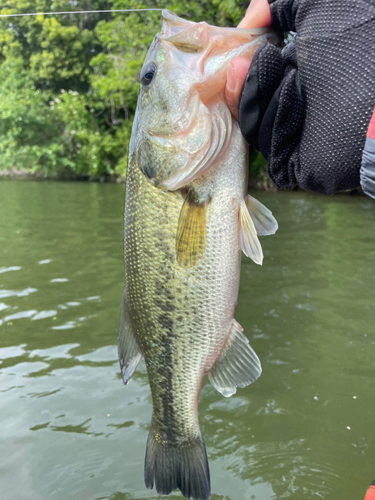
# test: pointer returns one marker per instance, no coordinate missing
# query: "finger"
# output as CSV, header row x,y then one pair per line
x,y
258,15
236,74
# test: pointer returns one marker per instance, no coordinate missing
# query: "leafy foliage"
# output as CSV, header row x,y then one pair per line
x,y
69,83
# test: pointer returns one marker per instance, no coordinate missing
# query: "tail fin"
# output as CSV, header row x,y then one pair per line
x,y
183,467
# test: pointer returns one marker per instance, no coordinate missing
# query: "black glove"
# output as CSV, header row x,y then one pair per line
x,y
307,107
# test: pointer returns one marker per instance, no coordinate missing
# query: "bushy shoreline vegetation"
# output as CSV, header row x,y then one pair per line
x,y
69,83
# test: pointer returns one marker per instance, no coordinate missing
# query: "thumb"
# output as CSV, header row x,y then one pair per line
x,y
258,15
236,74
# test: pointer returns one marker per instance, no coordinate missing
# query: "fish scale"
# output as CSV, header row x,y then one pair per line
x,y
183,253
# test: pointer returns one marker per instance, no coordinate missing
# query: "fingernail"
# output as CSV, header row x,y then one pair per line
x,y
231,78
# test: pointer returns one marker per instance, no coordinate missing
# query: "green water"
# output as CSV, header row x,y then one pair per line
x,y
69,429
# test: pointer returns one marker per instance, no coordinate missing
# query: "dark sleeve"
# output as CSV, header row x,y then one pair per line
x,y
314,129
283,13
317,17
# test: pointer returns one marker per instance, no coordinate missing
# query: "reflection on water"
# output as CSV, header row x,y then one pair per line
x,y
72,430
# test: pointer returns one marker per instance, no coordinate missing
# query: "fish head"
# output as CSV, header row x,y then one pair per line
x,y
183,125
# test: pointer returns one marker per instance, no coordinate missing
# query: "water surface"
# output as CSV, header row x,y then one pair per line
x,y
70,429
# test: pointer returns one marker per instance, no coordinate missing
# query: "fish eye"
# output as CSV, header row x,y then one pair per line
x,y
148,73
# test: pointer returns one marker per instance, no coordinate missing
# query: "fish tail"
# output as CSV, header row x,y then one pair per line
x,y
178,466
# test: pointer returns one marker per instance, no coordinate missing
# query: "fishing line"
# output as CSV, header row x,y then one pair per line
x,y
76,12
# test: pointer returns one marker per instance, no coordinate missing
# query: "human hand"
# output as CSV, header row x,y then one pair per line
x,y
258,15
307,107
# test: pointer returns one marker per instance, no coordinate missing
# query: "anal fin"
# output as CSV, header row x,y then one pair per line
x,y
237,366
191,230
129,352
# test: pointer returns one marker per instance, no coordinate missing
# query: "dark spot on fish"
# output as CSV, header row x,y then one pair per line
x,y
164,106
164,305
163,290
166,322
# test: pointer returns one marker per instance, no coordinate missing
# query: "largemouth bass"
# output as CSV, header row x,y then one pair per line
x,y
187,217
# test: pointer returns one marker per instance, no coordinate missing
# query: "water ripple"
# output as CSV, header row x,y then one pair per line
x,y
58,352
20,315
66,326
44,314
108,353
15,293
12,351
12,268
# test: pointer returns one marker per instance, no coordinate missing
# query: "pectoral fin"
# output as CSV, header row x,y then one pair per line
x,y
237,366
129,352
264,222
191,230
249,242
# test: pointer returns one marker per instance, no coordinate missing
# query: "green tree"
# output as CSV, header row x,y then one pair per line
x,y
69,83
